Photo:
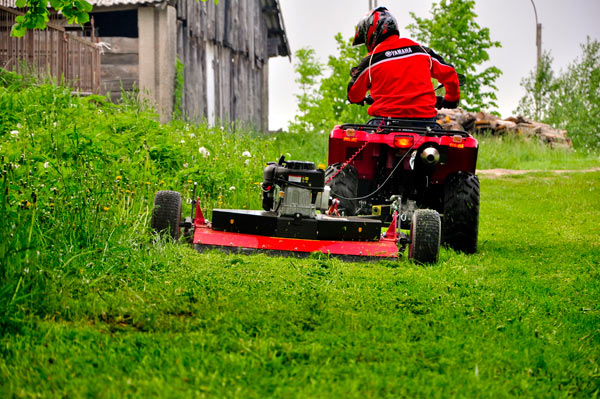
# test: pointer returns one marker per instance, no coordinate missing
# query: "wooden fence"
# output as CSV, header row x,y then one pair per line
x,y
51,52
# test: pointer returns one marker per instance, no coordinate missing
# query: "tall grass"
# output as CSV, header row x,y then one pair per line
x,y
79,176
517,152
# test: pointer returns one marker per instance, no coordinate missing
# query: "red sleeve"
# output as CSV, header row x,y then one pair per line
x,y
446,75
359,84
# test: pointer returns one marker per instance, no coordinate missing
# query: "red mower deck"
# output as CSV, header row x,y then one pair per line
x,y
206,237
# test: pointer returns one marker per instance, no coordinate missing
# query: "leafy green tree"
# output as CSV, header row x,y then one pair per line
x,y
574,104
322,102
539,86
38,14
309,72
453,33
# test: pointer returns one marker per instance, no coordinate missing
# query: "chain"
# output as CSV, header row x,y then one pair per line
x,y
379,130
346,163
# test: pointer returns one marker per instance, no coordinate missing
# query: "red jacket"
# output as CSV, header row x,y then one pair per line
x,y
398,73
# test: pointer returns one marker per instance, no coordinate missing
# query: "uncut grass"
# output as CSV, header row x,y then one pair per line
x,y
518,152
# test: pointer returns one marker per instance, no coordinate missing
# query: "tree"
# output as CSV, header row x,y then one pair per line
x,y
539,86
309,70
322,102
570,101
453,33
574,104
38,13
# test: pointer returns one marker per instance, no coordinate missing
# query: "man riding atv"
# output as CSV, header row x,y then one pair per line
x,y
391,174
398,71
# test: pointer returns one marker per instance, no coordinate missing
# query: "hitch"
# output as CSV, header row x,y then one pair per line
x,y
188,222
403,241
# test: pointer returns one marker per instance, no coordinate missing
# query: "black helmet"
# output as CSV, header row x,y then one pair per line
x,y
374,27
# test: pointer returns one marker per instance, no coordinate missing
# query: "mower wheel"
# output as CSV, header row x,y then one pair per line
x,y
166,214
425,235
461,212
344,185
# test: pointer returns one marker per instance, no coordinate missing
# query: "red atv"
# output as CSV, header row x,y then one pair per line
x,y
387,174
428,171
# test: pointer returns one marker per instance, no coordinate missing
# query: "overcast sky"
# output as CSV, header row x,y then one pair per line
x,y
314,23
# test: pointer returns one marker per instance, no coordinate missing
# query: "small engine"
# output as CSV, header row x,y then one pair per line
x,y
294,188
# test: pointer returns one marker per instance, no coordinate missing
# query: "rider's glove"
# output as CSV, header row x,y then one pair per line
x,y
441,102
367,100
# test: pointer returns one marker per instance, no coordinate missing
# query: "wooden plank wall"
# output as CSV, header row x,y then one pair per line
x,y
119,66
238,30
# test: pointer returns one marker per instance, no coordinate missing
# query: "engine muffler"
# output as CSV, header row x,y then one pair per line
x,y
430,156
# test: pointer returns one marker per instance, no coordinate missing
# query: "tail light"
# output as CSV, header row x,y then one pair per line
x,y
457,141
403,141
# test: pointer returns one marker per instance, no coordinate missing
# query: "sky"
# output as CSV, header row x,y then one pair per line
x,y
314,23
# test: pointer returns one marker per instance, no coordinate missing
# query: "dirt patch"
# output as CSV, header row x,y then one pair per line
x,y
513,172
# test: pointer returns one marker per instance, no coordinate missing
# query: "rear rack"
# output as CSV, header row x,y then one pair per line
x,y
390,125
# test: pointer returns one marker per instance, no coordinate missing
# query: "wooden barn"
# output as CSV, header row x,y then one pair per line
x,y
222,51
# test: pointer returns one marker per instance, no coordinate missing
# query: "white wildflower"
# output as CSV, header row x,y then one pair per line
x,y
204,152
54,124
247,162
46,164
246,154
231,188
192,135
182,141
186,165
26,270
14,132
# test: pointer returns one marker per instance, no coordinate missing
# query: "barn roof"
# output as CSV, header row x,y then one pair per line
x,y
278,43
110,3
277,38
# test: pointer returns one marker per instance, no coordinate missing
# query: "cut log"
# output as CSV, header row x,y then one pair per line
x,y
458,119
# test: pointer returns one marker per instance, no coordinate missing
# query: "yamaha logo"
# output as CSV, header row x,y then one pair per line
x,y
398,52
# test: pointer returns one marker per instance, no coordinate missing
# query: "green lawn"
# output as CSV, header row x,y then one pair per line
x,y
92,306
519,318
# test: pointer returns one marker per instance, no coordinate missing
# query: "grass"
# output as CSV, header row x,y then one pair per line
x,y
519,318
91,306
514,152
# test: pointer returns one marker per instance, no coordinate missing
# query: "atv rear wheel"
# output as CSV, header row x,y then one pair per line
x,y
425,235
166,214
344,185
461,212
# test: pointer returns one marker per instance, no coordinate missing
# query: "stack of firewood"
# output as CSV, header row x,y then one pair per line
x,y
480,122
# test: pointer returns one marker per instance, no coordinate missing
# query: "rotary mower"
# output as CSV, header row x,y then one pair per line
x,y
390,184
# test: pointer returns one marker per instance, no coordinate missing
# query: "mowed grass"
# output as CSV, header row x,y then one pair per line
x,y
521,318
92,306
